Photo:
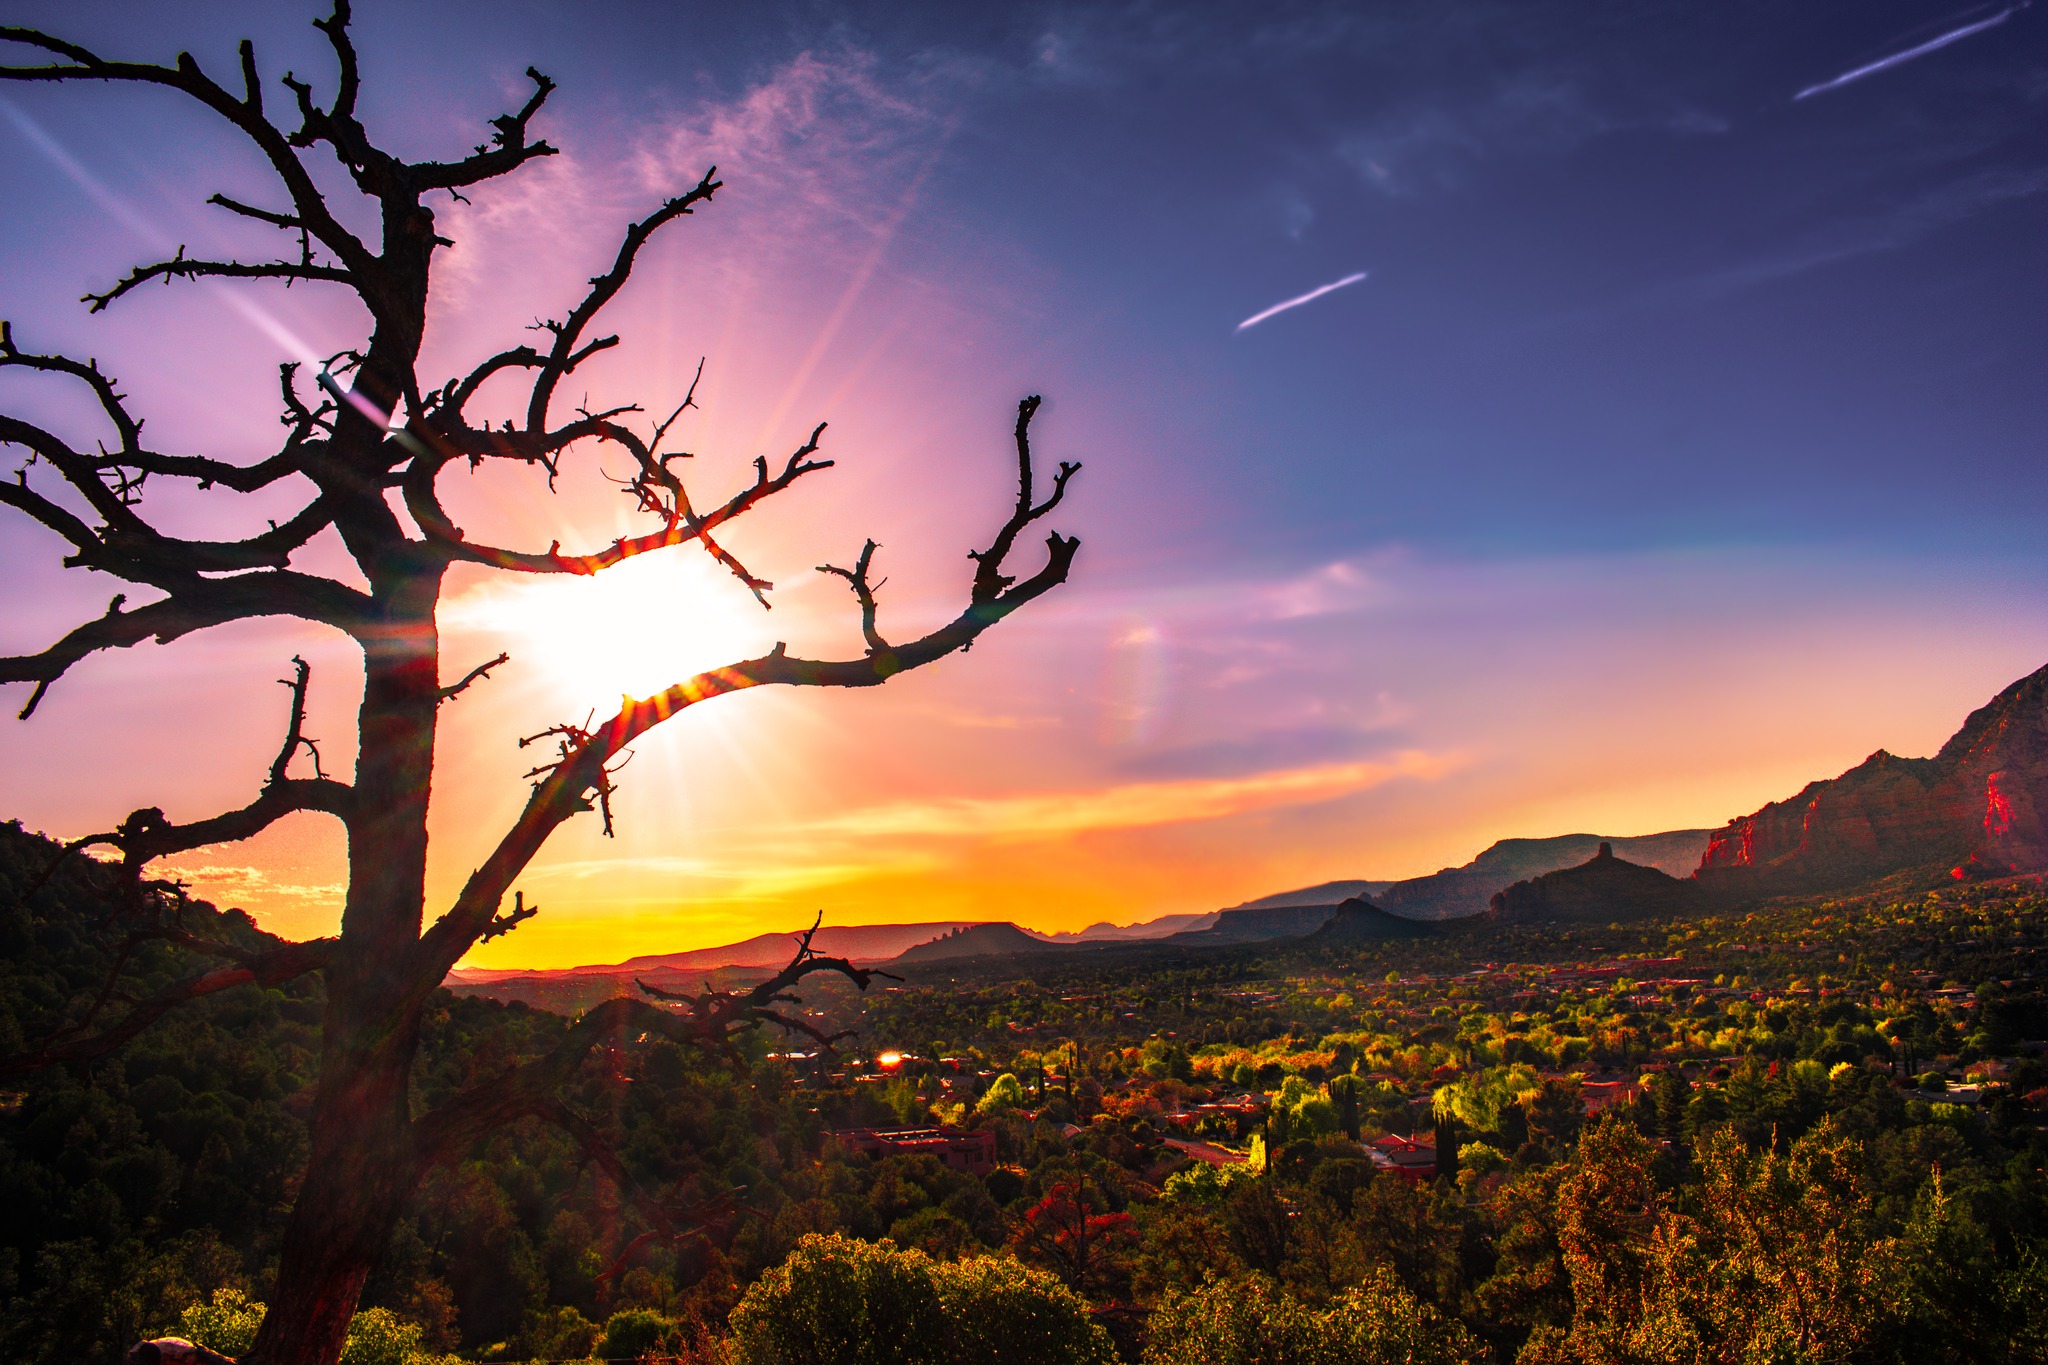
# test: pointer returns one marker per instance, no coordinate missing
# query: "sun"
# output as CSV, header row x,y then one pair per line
x,y
629,631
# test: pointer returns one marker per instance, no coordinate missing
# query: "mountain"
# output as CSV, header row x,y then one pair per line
x,y
976,940
1258,925
1979,807
1459,891
1329,893
1106,932
1358,920
1601,890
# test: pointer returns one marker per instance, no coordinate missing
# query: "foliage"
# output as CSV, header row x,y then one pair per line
x,y
228,1322
1763,1170
1203,1182
1004,1092
1250,1320
840,1301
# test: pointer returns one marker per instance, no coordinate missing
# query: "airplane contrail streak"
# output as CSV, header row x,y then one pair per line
x,y
1900,58
1313,294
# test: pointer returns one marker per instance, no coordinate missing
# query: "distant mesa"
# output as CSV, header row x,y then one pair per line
x,y
1328,893
975,940
1457,892
1260,925
1106,932
1602,890
1358,920
1979,808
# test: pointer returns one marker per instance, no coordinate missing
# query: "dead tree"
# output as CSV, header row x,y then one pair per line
x,y
369,424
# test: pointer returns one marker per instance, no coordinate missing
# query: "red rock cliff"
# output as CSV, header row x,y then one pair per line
x,y
1981,804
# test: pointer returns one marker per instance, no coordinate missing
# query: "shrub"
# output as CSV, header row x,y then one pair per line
x,y
1002,1312
633,1333
838,1301
1249,1320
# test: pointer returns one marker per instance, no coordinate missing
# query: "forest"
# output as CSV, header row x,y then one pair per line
x,y
1812,1131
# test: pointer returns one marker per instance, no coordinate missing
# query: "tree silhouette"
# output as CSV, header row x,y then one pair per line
x,y
365,427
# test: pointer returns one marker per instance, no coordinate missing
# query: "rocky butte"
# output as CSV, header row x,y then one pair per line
x,y
1602,889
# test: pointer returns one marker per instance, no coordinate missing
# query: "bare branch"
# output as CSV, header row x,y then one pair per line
x,y
246,114
655,483
482,670
569,331
295,733
182,267
989,580
508,149
198,605
864,593
289,222
510,920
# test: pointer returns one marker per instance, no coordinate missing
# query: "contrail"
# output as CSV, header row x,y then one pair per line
x,y
1900,58
1316,293
262,319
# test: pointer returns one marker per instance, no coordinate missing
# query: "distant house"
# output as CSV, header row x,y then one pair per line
x,y
1603,1095
969,1150
1411,1158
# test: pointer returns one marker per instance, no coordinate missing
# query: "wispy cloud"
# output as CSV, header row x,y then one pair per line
x,y
241,883
1133,806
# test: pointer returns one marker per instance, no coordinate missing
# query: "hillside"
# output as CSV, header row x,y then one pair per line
x,y
1358,920
976,940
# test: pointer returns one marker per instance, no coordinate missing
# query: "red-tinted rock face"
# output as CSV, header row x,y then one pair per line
x,y
2000,760
1980,804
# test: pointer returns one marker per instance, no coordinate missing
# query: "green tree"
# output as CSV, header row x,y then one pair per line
x,y
839,1301
1004,1092
1250,1320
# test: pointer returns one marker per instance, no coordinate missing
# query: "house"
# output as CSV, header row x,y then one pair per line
x,y
1411,1158
964,1149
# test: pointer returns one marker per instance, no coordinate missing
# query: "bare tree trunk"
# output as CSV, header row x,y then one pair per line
x,y
362,1165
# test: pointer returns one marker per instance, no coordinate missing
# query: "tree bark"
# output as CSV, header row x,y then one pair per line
x,y
362,1166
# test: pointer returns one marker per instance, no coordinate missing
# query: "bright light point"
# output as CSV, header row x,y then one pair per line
x,y
889,1059
629,631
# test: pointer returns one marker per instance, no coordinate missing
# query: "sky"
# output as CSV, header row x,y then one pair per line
x,y
1675,436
